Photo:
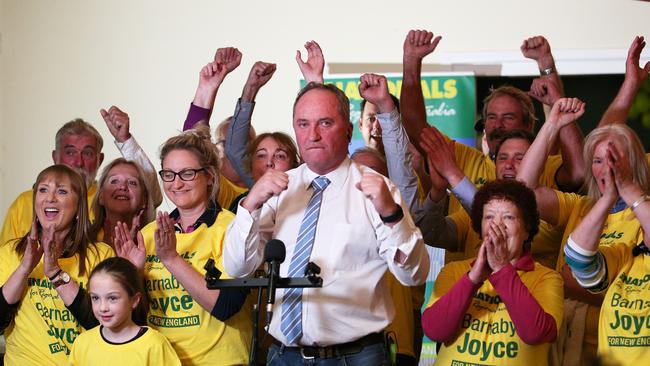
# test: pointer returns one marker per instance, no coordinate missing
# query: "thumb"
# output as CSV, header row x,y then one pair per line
x,y
299,58
104,114
646,68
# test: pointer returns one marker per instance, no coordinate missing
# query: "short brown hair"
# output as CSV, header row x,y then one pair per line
x,y
512,191
78,127
527,107
342,99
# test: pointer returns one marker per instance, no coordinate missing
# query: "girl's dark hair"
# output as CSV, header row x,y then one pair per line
x,y
131,280
512,191
78,240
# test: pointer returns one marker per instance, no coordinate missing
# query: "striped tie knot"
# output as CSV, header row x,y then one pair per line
x,y
320,183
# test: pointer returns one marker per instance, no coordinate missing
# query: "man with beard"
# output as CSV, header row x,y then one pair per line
x,y
79,146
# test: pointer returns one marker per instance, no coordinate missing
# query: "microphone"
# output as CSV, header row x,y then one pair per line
x,y
274,254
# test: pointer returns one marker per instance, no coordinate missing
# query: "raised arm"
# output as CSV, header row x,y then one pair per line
x,y
417,45
239,133
118,123
210,79
547,89
312,69
437,229
394,139
538,49
564,112
13,289
635,76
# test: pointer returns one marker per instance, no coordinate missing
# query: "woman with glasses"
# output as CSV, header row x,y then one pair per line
x,y
205,327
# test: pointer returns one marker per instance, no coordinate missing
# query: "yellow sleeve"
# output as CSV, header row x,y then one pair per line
x,y
228,192
473,163
463,226
164,354
9,261
549,293
100,251
567,202
447,278
18,219
552,165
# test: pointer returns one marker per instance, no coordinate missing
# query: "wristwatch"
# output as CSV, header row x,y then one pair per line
x,y
61,278
398,215
547,71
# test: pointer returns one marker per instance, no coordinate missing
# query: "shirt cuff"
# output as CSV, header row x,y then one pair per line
x,y
244,106
195,115
388,121
128,145
465,191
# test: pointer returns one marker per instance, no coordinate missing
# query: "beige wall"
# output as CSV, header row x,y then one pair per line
x,y
65,59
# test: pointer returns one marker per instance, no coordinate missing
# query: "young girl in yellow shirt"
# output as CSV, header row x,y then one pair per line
x,y
116,290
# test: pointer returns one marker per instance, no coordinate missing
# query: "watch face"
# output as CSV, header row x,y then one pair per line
x,y
65,277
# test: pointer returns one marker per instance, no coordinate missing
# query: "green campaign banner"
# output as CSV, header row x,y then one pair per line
x,y
449,98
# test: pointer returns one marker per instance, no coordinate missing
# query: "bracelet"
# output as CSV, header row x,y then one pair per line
x,y
56,274
395,217
639,201
548,71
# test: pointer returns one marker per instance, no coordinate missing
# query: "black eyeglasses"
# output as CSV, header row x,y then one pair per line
x,y
185,174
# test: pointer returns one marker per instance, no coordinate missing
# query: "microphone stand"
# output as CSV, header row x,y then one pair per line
x,y
212,275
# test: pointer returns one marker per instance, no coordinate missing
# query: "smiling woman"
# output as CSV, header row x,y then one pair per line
x,y
44,272
123,196
192,317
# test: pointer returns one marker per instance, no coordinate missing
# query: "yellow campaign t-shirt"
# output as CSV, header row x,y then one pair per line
x,y
487,335
197,336
622,227
480,169
18,220
43,329
151,348
624,326
228,191
544,248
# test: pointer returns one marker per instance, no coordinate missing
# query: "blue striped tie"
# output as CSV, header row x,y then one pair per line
x,y
291,323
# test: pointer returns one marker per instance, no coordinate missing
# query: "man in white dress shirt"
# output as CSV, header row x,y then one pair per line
x,y
361,229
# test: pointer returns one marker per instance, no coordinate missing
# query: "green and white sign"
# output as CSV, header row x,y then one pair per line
x,y
449,98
